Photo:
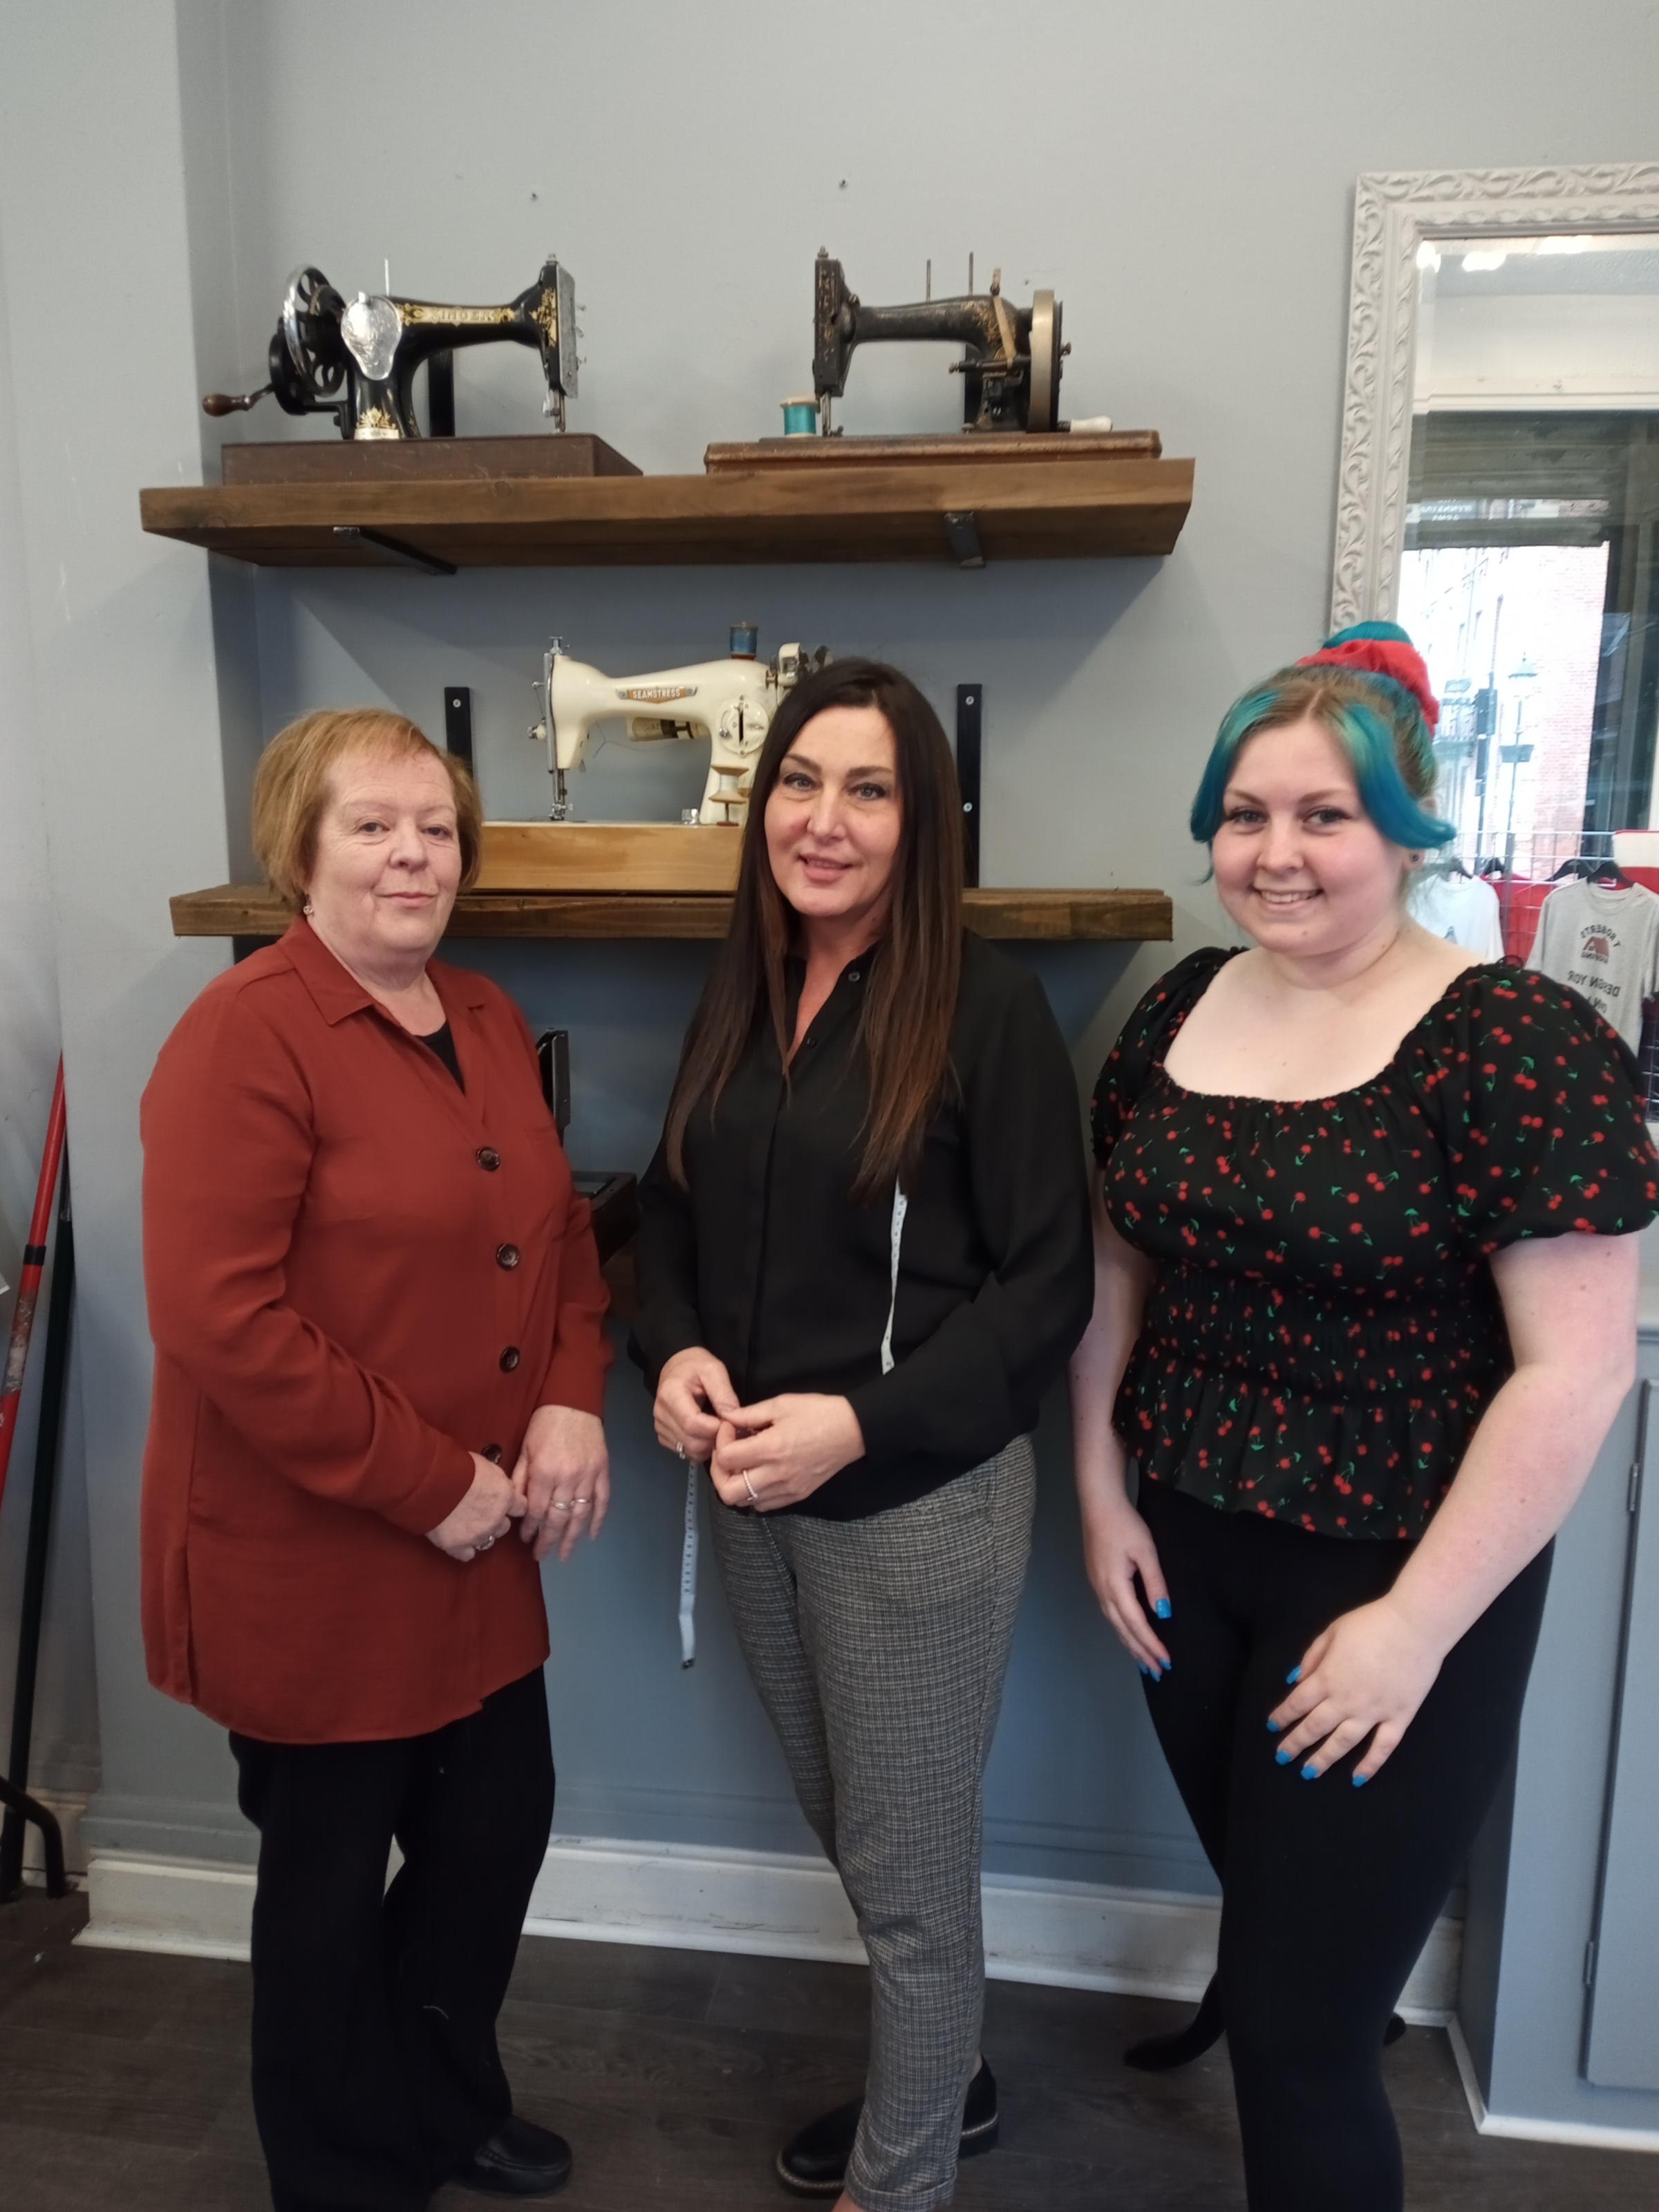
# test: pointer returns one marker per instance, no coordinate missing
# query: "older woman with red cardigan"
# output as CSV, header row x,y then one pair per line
x,y
378,1314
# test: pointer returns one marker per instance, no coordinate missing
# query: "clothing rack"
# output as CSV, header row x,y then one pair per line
x,y
1535,858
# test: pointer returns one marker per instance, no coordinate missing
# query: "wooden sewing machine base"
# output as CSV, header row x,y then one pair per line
x,y
608,856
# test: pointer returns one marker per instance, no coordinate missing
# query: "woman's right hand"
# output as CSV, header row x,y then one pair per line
x,y
1117,1548
694,1395
488,1511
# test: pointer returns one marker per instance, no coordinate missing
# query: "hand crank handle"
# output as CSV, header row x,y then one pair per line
x,y
227,403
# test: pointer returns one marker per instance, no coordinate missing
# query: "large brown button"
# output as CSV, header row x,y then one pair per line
x,y
491,1452
510,1358
507,1255
489,1158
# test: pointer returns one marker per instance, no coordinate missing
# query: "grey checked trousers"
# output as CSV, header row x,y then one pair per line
x,y
878,1649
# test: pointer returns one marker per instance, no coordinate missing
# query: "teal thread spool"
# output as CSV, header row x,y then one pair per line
x,y
800,418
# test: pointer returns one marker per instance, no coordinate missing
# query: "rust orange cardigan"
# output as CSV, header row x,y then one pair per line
x,y
358,1274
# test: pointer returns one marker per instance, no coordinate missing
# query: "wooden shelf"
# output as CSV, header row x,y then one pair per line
x,y
1054,916
1052,509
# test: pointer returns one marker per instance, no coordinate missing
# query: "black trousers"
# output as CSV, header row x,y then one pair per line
x,y
375,2070
1329,1893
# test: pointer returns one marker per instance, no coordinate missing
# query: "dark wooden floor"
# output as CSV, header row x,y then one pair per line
x,y
676,2074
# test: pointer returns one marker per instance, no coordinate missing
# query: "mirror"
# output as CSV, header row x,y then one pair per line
x,y
1500,496
1528,572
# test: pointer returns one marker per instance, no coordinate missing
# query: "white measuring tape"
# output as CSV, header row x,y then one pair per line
x,y
689,1571
688,1545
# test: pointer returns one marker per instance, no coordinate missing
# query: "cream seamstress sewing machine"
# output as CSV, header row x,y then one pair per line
x,y
729,702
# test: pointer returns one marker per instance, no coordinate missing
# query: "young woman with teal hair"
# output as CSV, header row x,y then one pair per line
x,y
1364,1309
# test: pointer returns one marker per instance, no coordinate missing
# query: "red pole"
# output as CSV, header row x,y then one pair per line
x,y
28,1288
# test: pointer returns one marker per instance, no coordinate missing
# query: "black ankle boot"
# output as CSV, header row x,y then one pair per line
x,y
1161,2054
814,2162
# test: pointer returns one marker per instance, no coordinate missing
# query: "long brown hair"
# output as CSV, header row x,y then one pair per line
x,y
904,1024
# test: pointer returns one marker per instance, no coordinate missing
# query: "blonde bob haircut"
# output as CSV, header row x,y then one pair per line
x,y
291,788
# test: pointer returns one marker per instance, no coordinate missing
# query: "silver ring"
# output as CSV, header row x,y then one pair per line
x,y
485,1545
580,1501
559,1505
750,1486
680,1449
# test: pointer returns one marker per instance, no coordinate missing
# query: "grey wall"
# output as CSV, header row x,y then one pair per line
x,y
65,1748
1182,176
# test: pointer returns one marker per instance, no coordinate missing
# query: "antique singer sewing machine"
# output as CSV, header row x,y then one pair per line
x,y
356,361
1011,358
730,702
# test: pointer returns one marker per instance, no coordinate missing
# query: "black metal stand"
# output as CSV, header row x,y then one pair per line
x,y
970,710
20,1807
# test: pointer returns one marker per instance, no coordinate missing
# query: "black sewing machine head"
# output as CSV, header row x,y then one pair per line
x,y
357,361
1010,359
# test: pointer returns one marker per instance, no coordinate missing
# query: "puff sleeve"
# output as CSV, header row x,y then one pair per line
x,y
1543,1118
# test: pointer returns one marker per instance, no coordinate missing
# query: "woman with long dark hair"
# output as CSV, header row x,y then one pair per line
x,y
863,1257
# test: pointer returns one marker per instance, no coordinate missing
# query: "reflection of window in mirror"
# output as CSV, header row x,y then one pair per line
x,y
1530,575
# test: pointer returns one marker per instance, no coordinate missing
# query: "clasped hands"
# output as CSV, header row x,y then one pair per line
x,y
766,1455
560,1484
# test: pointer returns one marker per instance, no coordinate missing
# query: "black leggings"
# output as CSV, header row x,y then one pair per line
x,y
1330,1893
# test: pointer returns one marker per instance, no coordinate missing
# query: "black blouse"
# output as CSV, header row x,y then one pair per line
x,y
768,1262
442,1043
1323,1332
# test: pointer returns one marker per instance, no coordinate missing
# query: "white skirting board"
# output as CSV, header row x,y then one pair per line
x,y
1586,2135
1144,1943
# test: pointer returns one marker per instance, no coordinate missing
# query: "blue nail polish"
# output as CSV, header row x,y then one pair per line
x,y
1161,1608
1144,1668
1310,1774
1284,1758
1360,1780
1295,1675
1273,1727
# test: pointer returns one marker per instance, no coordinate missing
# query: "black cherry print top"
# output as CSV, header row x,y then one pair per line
x,y
1323,1332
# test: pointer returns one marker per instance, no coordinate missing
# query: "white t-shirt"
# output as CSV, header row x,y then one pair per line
x,y
1605,943
1462,909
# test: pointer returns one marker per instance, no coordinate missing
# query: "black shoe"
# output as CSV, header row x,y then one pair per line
x,y
814,2162
520,2160
1161,2054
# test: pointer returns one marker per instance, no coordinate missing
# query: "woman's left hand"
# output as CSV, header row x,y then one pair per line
x,y
1366,1676
564,1475
783,1450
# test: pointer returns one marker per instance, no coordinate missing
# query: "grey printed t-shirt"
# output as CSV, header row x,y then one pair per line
x,y
1603,942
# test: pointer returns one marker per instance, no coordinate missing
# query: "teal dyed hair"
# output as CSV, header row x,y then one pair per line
x,y
1377,721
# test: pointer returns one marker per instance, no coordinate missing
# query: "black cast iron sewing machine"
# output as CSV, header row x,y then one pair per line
x,y
1011,359
356,361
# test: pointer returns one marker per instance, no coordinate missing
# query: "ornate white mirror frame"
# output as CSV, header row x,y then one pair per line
x,y
1393,215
